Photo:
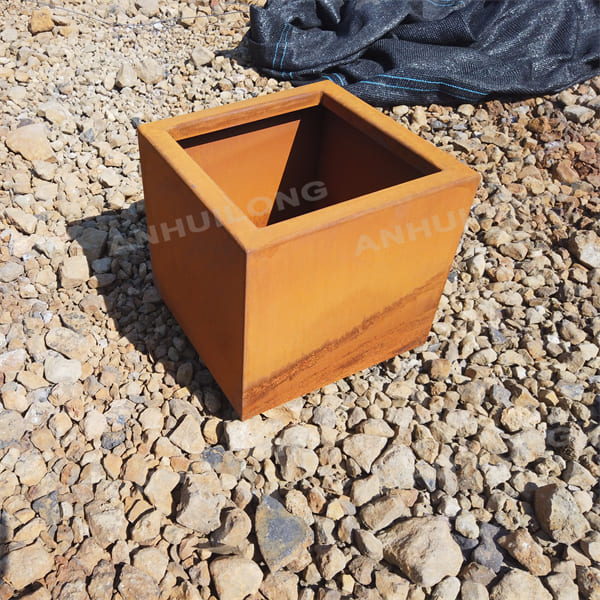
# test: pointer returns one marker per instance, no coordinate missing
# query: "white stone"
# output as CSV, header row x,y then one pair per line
x,y
152,561
126,76
21,220
94,425
423,549
235,578
202,56
150,71
10,271
159,489
188,436
519,584
201,502
74,271
58,369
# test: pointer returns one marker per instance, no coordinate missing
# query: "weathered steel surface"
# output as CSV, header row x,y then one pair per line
x,y
299,237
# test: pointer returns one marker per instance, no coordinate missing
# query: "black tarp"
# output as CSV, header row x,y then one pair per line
x,y
391,52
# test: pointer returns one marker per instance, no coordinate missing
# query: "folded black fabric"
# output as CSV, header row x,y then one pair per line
x,y
391,52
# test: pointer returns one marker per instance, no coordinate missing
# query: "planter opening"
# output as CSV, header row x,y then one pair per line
x,y
288,165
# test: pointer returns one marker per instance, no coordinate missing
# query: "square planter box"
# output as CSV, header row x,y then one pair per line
x,y
299,237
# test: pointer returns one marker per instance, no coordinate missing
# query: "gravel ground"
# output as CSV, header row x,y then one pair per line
x,y
467,467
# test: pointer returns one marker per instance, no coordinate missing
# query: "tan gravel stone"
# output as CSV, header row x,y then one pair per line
x,y
40,21
24,566
527,551
74,272
559,514
247,580
519,584
31,142
159,489
423,549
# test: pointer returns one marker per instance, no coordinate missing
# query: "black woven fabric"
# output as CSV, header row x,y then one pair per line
x,y
392,52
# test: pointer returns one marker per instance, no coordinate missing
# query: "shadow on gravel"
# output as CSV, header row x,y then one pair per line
x,y
115,245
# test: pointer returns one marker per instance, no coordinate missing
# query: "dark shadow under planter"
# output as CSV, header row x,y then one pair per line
x,y
126,294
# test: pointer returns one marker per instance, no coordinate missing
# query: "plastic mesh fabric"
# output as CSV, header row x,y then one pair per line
x,y
391,52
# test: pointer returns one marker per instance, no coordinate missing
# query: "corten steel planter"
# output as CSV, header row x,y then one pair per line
x,y
299,237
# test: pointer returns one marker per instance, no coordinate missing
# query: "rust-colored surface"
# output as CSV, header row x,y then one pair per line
x,y
299,237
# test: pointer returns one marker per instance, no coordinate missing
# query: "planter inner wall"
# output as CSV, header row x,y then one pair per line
x,y
284,166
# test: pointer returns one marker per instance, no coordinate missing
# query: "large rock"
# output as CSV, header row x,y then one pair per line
x,y
559,515
280,586
149,8
13,360
58,369
391,586
41,21
579,113
40,593
588,580
253,433
282,537
147,528
101,583
330,561
57,113
30,141
234,530
23,221
150,71
487,552
9,272
94,425
107,522
90,554
235,577
364,449
519,584
74,271
26,565
12,427
383,511
395,467
585,247
134,584
562,587
126,76
447,589
188,436
305,436
8,485
423,549
526,446
201,502
152,561
159,489
67,342
522,547
296,462
92,241
202,56
31,468
47,508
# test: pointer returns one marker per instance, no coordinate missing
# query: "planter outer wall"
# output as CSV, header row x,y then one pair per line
x,y
280,310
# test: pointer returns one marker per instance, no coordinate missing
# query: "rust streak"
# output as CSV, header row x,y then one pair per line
x,y
269,385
